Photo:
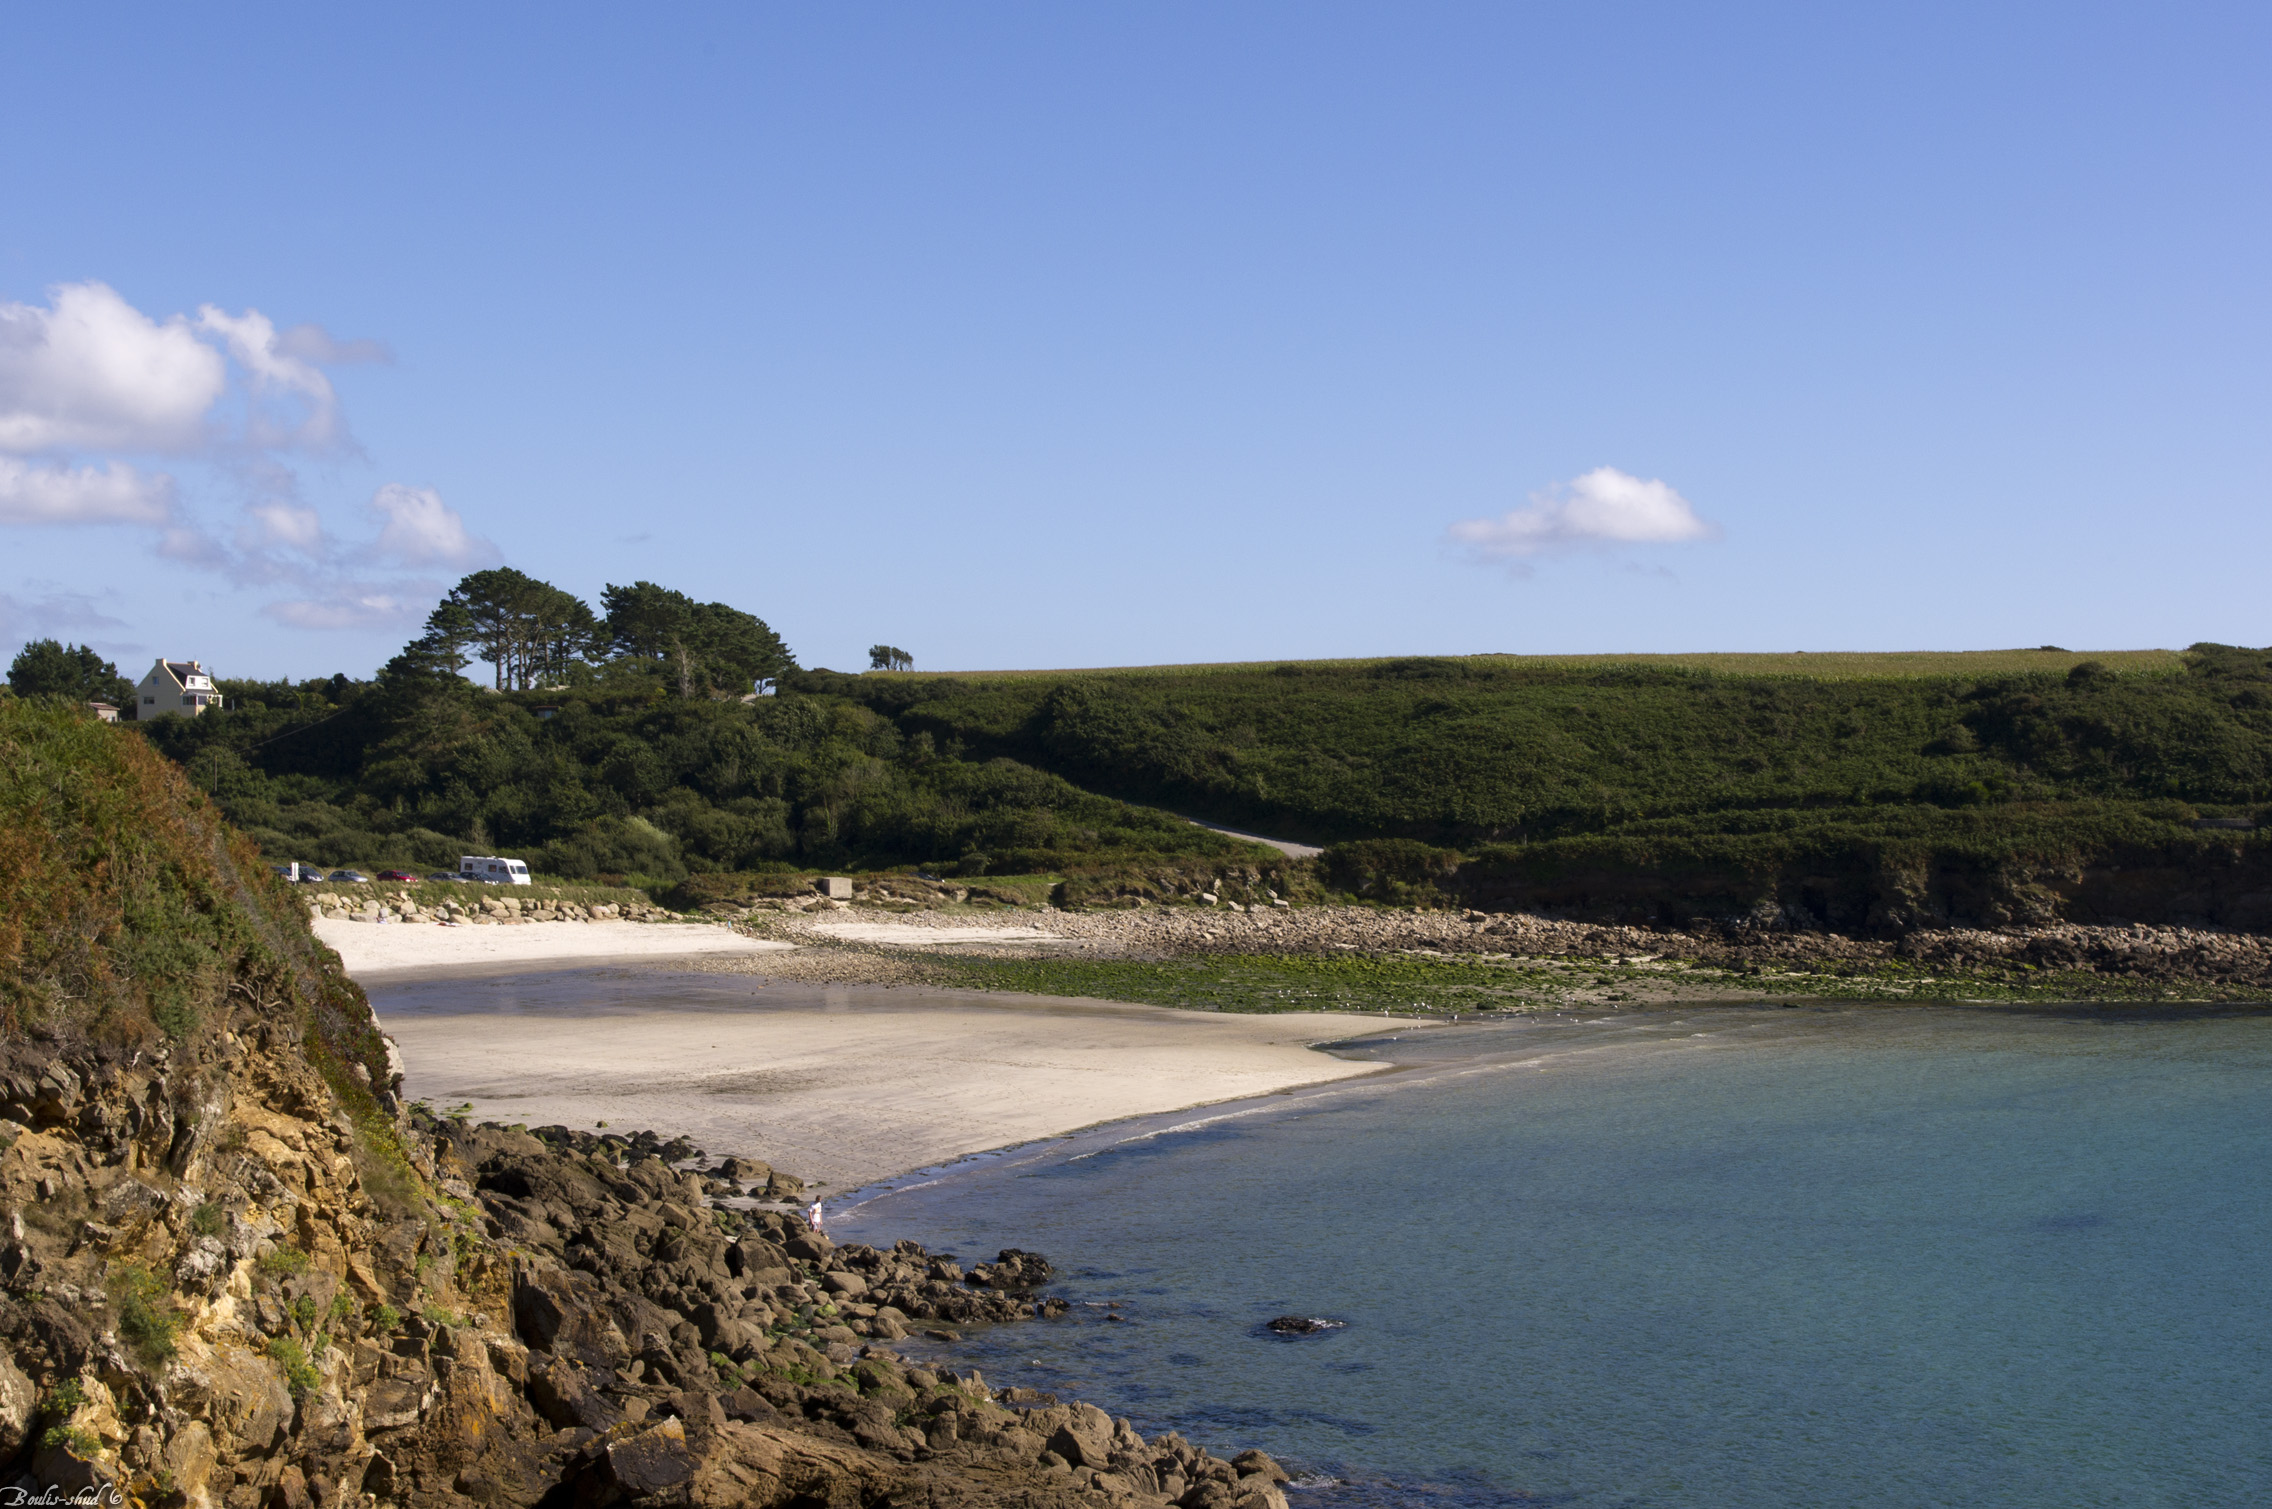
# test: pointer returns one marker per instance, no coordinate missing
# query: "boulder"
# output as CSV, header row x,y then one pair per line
x,y
1013,1269
1083,1435
558,1310
19,1408
655,1461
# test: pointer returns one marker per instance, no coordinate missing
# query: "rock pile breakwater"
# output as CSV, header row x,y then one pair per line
x,y
219,1291
2179,956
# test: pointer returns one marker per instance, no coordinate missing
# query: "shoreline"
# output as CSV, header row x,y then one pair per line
x,y
846,1085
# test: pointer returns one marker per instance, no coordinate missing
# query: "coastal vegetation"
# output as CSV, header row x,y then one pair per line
x,y
659,739
1669,791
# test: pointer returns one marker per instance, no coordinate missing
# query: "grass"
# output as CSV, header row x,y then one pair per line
x,y
1437,985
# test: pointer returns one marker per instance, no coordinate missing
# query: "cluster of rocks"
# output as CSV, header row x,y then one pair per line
x,y
2135,953
731,1281
483,909
219,1291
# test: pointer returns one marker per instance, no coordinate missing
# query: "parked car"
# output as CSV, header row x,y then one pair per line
x,y
311,874
349,877
443,875
396,875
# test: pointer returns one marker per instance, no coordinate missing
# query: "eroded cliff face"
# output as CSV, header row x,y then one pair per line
x,y
221,1291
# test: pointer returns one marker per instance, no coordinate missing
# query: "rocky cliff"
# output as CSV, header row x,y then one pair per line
x,y
237,1272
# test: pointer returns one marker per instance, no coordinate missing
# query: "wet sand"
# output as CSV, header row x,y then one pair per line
x,y
839,1084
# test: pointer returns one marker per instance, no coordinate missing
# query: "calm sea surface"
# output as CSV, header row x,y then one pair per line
x,y
1729,1258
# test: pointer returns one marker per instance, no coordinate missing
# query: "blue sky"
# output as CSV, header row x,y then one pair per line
x,y
1025,335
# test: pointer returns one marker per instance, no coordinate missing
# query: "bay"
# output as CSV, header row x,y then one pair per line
x,y
1773,1256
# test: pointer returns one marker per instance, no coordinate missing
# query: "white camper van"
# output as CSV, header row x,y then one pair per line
x,y
495,871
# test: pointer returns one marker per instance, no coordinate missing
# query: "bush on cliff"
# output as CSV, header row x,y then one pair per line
x,y
130,910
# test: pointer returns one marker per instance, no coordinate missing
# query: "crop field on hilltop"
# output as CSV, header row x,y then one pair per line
x,y
1824,665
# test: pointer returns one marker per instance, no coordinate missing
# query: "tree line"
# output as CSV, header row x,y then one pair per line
x,y
535,635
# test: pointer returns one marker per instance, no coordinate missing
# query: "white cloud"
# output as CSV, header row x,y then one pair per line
x,y
114,494
89,385
1603,507
93,373
352,608
253,341
422,530
287,524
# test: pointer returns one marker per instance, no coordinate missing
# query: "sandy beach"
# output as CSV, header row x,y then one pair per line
x,y
840,1084
371,950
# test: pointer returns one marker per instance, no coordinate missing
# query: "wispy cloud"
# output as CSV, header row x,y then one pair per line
x,y
422,530
352,609
1604,507
92,391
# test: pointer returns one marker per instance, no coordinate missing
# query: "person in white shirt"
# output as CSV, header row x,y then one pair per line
x,y
814,1219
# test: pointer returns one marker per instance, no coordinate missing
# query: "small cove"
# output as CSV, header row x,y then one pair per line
x,y
1727,1257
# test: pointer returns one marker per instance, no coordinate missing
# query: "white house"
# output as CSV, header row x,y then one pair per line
x,y
174,688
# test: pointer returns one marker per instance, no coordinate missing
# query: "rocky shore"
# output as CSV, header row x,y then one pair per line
x,y
219,1290
2179,956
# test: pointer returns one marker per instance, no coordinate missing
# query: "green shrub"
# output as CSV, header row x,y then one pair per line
x,y
83,1444
282,1262
300,1375
146,1314
208,1220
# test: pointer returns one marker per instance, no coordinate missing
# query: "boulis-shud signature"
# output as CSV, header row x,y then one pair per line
x,y
94,1496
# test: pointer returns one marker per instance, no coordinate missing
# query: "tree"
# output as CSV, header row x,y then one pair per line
x,y
529,631
888,657
709,647
47,668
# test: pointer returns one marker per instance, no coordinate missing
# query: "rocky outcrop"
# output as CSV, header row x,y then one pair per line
x,y
220,1291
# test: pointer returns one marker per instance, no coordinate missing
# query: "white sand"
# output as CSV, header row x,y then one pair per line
x,y
843,1084
370,948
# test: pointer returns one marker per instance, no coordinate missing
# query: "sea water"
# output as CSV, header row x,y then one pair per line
x,y
1742,1257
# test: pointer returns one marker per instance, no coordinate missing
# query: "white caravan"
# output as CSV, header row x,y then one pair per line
x,y
495,871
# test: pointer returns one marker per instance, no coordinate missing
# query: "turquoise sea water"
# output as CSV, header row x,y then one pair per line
x,y
1744,1257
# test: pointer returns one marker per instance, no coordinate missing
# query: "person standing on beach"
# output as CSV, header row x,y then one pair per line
x,y
814,1219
